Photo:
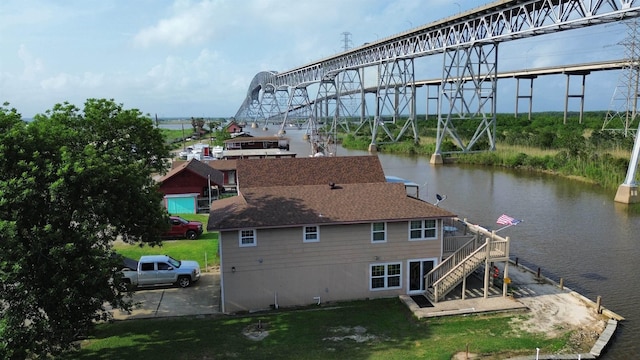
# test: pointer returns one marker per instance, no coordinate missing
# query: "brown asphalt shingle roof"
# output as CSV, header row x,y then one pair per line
x,y
309,171
284,206
289,192
223,164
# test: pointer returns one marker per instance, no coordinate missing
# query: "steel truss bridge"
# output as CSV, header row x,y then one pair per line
x,y
466,91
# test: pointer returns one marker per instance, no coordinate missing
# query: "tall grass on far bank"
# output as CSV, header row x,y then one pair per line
x,y
605,169
602,169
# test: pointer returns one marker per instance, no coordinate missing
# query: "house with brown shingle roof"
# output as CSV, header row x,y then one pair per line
x,y
315,230
189,187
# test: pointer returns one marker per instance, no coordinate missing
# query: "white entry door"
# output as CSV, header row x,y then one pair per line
x,y
418,268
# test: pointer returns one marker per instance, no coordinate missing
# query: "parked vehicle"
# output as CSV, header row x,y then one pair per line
x,y
153,270
183,229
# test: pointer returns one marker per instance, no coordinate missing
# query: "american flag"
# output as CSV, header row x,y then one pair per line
x,y
505,219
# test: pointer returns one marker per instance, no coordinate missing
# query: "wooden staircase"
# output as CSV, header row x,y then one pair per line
x,y
472,255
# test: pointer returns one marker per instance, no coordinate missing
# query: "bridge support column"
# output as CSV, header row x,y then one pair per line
x,y
527,97
432,98
628,191
394,96
468,94
268,105
580,96
298,108
436,159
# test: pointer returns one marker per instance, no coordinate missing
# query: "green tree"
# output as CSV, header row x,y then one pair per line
x,y
71,182
221,135
198,125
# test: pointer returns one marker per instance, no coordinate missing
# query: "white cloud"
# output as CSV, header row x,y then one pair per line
x,y
64,81
178,74
32,65
189,24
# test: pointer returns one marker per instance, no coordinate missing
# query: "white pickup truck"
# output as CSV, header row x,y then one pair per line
x,y
153,270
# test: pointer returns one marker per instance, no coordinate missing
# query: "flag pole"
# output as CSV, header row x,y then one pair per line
x,y
504,227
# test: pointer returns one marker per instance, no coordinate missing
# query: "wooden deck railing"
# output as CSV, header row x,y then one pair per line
x,y
465,258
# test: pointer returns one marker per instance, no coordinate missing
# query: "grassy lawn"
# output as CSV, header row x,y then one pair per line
x,y
375,329
204,249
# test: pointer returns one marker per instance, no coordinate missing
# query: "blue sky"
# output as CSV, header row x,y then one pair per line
x,y
197,57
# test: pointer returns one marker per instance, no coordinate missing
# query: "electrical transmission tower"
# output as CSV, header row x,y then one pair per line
x,y
346,41
624,103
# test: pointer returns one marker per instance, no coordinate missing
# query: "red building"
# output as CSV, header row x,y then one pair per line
x,y
190,187
233,128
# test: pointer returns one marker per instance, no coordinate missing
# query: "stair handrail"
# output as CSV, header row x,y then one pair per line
x,y
495,245
438,286
449,263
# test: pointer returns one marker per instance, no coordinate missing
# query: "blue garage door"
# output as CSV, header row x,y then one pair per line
x,y
181,205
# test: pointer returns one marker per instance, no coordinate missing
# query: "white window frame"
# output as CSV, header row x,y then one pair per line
x,y
241,236
374,231
386,276
305,233
423,230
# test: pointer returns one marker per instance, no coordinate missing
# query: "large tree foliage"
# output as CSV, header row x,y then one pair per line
x,y
71,182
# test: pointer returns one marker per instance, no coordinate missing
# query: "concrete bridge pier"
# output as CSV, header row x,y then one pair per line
x,y
436,159
627,194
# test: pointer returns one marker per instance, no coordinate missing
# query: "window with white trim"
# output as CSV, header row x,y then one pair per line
x,y
311,234
422,229
378,232
385,276
247,237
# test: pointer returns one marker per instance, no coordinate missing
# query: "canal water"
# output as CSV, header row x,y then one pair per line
x,y
570,229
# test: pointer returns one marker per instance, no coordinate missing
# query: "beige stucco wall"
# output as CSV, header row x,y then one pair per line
x,y
283,269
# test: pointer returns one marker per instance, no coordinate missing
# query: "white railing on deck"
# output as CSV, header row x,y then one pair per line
x,y
467,257
451,262
451,244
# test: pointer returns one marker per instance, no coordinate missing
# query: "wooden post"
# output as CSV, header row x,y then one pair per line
x,y
561,283
464,280
486,268
599,304
505,274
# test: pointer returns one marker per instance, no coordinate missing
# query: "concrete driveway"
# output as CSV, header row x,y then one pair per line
x,y
201,298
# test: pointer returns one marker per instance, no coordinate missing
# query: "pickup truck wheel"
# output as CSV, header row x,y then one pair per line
x,y
184,281
191,235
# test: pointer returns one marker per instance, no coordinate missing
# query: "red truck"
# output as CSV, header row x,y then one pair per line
x,y
182,228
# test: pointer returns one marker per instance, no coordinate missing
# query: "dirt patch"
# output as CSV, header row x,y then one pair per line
x,y
553,314
256,331
356,333
556,314
463,355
